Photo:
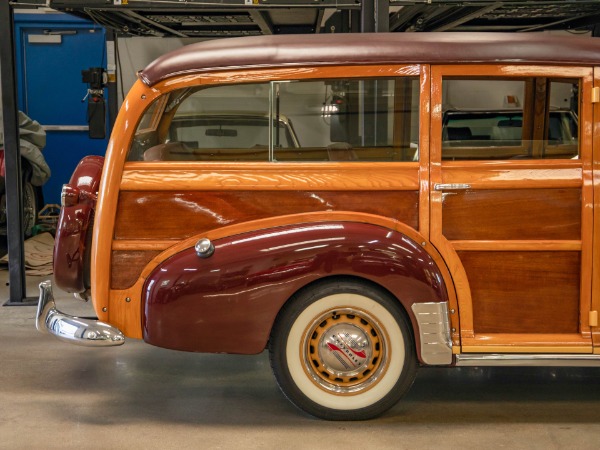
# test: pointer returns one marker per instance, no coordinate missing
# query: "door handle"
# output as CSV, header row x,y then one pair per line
x,y
451,187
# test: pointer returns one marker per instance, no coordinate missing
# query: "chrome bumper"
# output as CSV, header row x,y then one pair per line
x,y
87,332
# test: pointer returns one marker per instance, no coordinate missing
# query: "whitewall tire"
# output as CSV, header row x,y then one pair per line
x,y
343,350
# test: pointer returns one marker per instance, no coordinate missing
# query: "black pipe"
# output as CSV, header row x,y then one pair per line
x,y
12,160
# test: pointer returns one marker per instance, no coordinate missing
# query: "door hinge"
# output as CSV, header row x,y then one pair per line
x,y
596,95
593,318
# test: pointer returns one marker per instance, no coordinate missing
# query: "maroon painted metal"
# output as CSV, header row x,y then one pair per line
x,y
376,48
229,301
79,202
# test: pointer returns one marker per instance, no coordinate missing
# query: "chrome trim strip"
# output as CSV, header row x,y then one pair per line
x,y
65,127
75,330
527,360
434,331
451,187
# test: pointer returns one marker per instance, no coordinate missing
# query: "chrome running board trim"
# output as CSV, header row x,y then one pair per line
x,y
434,332
527,360
75,330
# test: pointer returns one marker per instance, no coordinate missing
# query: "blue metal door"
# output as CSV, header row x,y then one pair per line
x,y
51,91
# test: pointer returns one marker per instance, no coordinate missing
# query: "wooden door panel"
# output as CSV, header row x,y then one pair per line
x,y
532,292
512,214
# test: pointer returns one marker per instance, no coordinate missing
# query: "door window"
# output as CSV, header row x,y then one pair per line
x,y
487,119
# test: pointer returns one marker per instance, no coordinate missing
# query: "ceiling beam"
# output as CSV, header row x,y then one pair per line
x,y
262,20
153,23
579,18
405,16
467,17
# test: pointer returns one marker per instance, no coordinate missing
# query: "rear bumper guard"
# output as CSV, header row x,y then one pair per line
x,y
75,330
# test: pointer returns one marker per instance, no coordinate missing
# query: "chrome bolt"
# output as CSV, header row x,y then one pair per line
x,y
104,309
127,299
452,311
204,248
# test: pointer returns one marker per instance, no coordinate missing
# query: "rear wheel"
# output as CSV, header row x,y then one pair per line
x,y
343,350
30,209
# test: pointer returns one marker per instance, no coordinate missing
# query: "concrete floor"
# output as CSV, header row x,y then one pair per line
x,y
56,395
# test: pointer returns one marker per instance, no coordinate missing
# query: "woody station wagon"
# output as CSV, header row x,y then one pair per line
x,y
386,235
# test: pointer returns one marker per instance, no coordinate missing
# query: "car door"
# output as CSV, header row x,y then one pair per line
x,y
511,208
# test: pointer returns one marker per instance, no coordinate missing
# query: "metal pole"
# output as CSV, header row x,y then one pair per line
x,y
111,69
367,16
375,16
12,160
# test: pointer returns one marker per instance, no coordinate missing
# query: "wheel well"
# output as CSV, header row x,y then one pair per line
x,y
341,278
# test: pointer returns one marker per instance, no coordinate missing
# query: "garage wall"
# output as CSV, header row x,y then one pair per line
x,y
135,53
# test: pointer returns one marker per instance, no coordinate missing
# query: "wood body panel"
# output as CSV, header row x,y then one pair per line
x,y
524,292
424,162
525,214
173,176
126,266
527,343
542,174
149,215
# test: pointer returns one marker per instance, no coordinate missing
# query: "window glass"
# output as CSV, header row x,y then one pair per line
x,y
509,119
349,119
218,123
315,120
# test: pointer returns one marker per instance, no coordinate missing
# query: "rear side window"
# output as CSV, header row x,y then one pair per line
x,y
486,119
304,121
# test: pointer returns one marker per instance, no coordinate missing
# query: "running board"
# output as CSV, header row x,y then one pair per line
x,y
523,360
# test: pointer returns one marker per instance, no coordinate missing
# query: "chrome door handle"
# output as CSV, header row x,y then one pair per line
x,y
451,187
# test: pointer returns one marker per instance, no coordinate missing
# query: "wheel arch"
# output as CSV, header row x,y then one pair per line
x,y
360,279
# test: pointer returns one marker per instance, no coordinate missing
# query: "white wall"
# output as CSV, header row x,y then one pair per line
x,y
135,53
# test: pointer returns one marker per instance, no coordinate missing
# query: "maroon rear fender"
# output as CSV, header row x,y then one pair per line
x,y
228,302
78,201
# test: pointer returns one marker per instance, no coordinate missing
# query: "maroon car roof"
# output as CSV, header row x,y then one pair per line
x,y
373,48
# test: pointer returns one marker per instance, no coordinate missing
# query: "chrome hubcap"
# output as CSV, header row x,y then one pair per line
x,y
344,351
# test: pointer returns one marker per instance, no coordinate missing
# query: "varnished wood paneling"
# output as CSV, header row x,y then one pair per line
x,y
524,292
514,174
527,343
177,215
534,214
127,266
516,245
259,176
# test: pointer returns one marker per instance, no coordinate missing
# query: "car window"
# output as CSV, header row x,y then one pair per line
x,y
217,123
350,119
510,119
314,120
